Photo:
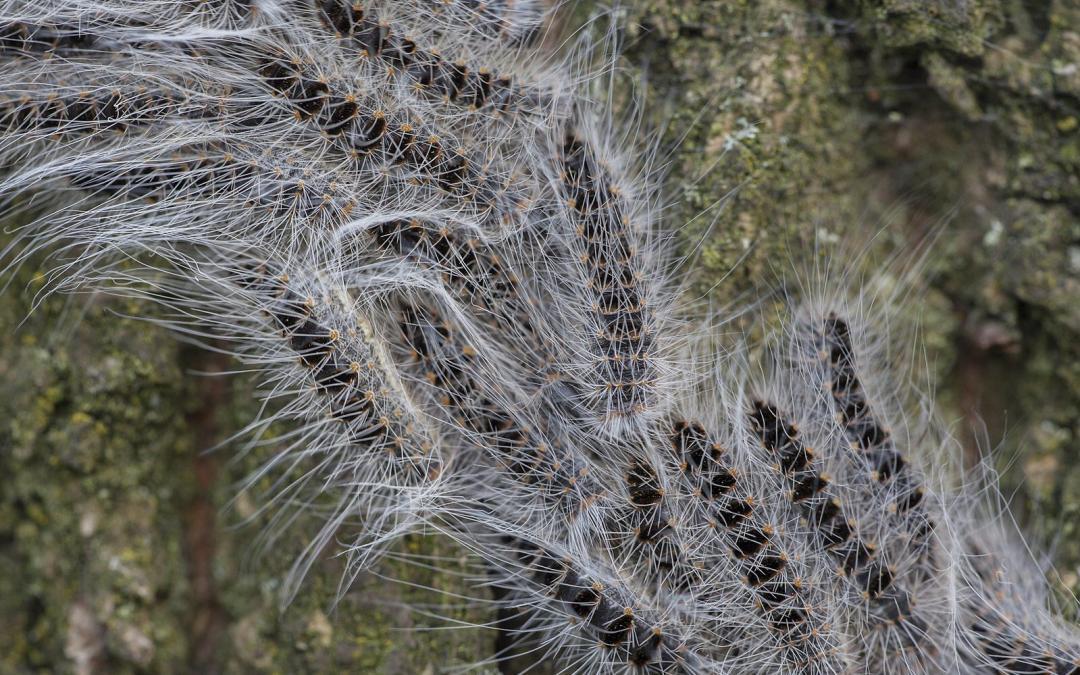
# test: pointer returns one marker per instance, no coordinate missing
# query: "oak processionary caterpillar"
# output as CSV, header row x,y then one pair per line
x,y
424,226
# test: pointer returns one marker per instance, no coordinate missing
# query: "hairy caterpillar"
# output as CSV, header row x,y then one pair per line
x,y
781,590
890,604
427,231
621,323
430,74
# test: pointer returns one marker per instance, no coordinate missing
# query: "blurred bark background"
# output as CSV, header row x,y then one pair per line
x,y
830,117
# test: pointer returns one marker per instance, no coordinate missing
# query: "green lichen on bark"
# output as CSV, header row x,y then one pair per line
x,y
90,533
821,120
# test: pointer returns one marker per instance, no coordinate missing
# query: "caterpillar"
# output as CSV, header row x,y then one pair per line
x,y
891,605
430,74
624,360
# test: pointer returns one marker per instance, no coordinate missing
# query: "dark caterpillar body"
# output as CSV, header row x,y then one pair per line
x,y
474,271
807,487
347,387
430,73
373,138
779,595
618,629
859,562
867,435
621,322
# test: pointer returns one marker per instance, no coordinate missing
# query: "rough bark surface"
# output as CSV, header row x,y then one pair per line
x,y
826,118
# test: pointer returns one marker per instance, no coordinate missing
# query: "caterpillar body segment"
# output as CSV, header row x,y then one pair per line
x,y
810,489
922,530
999,645
480,278
578,608
347,110
868,436
345,372
130,19
1008,629
902,593
72,112
893,494
67,100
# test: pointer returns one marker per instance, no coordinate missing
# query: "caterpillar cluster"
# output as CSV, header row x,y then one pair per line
x,y
422,225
